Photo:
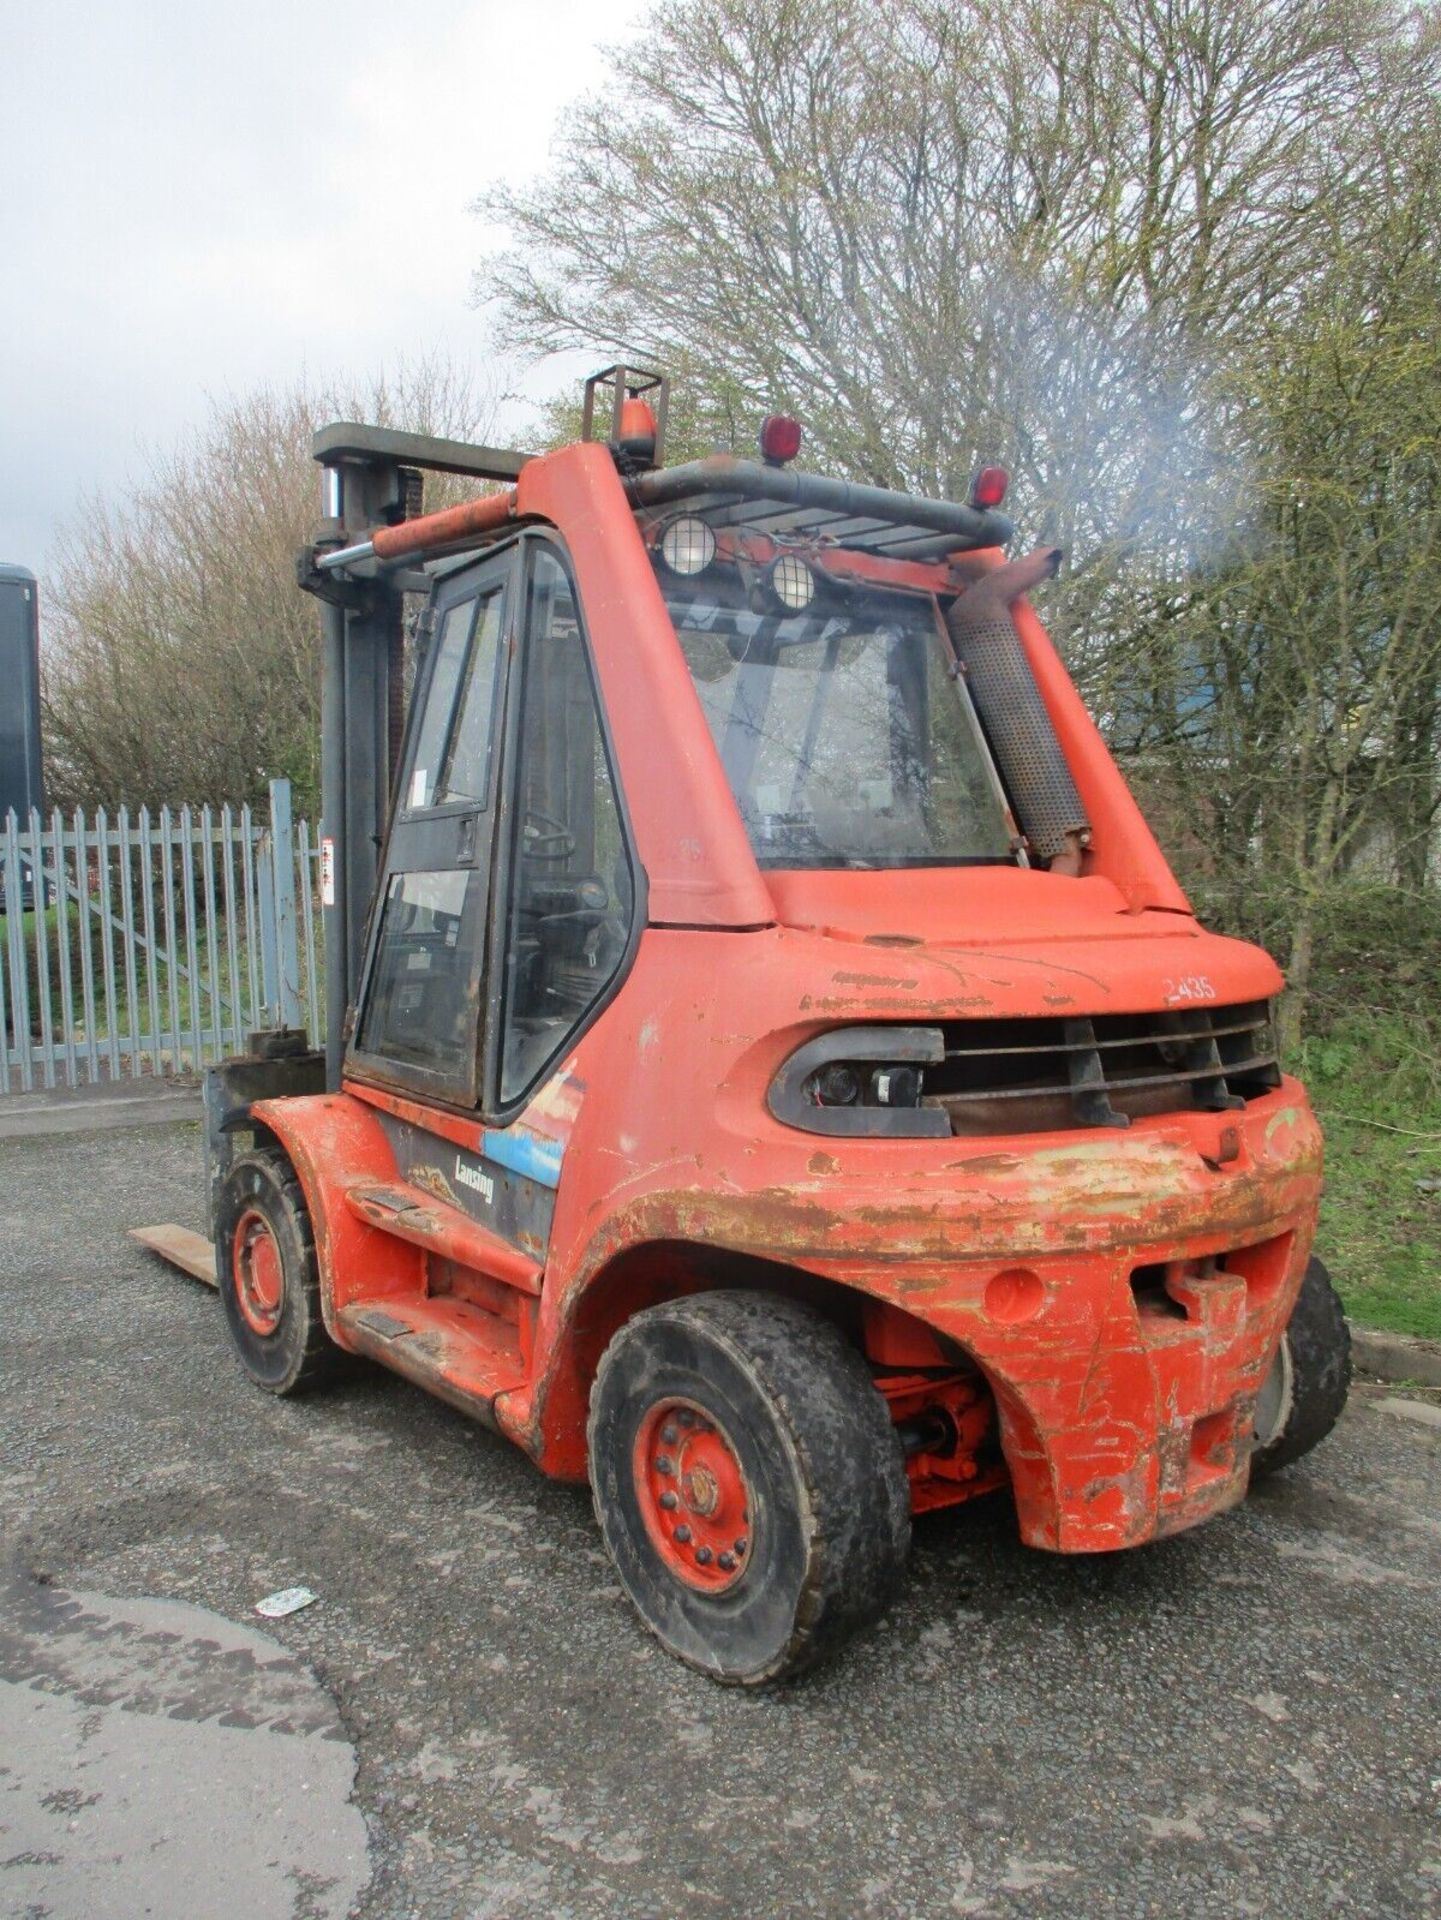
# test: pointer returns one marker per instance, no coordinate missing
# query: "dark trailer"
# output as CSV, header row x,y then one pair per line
x,y
21,783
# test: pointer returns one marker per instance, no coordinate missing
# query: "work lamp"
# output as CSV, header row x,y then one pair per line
x,y
792,583
687,545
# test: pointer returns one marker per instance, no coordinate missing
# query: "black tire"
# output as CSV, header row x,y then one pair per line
x,y
1306,1390
283,1347
828,1519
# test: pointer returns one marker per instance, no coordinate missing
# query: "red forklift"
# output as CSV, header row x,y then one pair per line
x,y
771,1071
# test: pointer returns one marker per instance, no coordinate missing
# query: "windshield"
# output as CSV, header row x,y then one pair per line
x,y
847,740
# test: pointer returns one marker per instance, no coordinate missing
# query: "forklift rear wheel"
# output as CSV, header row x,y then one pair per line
x,y
269,1282
1305,1391
748,1481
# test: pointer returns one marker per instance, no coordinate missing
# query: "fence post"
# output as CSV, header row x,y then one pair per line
x,y
19,965
279,922
267,1012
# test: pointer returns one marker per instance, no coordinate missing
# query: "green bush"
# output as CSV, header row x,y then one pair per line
x,y
1375,1080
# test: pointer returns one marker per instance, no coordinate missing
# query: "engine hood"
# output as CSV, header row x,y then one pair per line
x,y
1003,941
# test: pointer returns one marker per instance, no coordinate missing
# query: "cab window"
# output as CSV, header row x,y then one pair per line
x,y
572,882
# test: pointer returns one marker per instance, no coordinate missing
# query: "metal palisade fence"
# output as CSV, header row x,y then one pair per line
x,y
152,944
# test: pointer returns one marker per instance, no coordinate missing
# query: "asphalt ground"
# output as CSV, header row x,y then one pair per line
x,y
1243,1720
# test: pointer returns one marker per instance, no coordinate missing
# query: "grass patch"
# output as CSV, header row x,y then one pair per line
x,y
1376,1082
67,1012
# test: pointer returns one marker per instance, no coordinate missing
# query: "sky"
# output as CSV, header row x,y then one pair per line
x,y
197,199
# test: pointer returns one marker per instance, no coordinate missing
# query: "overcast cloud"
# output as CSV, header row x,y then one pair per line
x,y
198,198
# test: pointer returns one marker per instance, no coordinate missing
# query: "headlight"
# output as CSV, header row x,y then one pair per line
x,y
862,1081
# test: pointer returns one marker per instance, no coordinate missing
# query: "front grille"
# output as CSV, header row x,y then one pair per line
x,y
1028,1076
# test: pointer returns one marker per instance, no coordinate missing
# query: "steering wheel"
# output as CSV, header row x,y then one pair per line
x,y
543,837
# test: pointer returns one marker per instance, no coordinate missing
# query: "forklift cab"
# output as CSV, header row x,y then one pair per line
x,y
771,1071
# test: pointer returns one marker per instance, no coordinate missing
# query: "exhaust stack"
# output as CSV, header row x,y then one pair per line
x,y
1013,714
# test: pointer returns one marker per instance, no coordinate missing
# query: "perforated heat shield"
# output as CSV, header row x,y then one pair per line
x,y
1011,710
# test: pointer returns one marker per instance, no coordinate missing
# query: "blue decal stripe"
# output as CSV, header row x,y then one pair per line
x,y
529,1154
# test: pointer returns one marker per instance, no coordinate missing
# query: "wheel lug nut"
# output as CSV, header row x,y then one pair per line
x,y
668,1500
686,1417
742,1544
726,1560
681,1536
663,1464
670,1433
703,1556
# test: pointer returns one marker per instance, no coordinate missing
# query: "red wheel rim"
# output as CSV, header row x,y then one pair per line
x,y
259,1273
693,1495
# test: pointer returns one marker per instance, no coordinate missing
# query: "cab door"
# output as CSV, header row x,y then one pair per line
x,y
421,1004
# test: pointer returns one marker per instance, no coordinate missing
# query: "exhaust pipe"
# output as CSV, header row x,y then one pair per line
x,y
1032,765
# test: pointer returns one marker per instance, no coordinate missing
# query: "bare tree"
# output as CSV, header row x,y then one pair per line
x,y
181,662
940,232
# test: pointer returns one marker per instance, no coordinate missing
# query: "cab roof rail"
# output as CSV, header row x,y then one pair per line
x,y
824,502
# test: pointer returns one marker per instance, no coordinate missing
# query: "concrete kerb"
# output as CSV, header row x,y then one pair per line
x,y
1395,1357
94,1109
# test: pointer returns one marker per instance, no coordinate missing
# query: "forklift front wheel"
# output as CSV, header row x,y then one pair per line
x,y
1305,1392
748,1480
269,1284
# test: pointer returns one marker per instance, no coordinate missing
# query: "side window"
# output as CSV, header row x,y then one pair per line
x,y
572,887
467,767
439,704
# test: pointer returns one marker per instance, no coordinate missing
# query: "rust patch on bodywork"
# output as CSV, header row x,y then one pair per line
x,y
432,1180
